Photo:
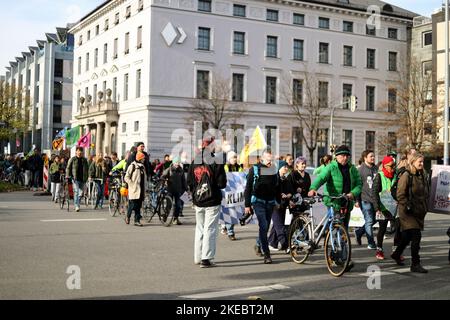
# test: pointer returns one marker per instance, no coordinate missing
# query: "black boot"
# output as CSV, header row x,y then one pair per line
x,y
267,259
418,268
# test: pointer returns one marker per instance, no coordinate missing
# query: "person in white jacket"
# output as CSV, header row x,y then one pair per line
x,y
135,178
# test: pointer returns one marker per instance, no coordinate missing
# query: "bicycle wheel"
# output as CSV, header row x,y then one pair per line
x,y
94,196
166,210
337,250
62,197
146,206
123,207
113,201
299,239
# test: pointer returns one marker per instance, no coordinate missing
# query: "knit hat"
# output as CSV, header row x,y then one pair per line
x,y
282,164
140,156
387,159
343,150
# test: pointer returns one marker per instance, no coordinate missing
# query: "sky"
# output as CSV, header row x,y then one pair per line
x,y
25,21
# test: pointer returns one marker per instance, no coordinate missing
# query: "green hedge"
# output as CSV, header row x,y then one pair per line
x,y
8,187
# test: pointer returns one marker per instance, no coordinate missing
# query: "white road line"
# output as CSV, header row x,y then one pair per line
x,y
233,292
74,220
399,271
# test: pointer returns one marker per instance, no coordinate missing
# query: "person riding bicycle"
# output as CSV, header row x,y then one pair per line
x,y
341,177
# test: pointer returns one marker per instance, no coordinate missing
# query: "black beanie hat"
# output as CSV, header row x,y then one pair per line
x,y
343,150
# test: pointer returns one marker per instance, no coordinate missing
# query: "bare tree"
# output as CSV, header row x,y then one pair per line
x,y
14,111
214,105
309,106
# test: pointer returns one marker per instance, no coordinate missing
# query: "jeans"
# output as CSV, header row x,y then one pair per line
x,y
263,212
136,206
369,218
230,229
178,205
36,178
206,230
414,236
278,232
55,190
100,192
77,191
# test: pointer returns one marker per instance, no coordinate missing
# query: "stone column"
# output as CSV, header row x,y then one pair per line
x,y
99,139
107,144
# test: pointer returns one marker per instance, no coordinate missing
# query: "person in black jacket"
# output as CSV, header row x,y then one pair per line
x,y
260,193
285,192
148,167
300,180
205,180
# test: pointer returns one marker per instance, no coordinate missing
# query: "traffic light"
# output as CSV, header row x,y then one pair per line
x,y
353,103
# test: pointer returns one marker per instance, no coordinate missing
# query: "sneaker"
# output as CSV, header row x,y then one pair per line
x,y
397,260
258,250
127,220
418,268
232,237
267,259
273,249
224,231
176,222
372,247
379,255
288,251
358,238
138,224
77,209
206,264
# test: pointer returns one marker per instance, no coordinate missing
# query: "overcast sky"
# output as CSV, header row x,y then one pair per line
x,y
25,21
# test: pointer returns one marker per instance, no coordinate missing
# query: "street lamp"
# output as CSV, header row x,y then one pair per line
x,y
294,141
446,86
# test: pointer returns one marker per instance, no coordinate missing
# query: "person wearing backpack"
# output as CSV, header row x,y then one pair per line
x,y
135,178
260,194
205,180
412,195
176,186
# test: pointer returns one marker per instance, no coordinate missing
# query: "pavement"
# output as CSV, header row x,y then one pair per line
x,y
48,253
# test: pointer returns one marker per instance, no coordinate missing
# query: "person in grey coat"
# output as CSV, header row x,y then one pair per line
x,y
176,186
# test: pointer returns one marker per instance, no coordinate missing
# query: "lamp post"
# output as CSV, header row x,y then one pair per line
x,y
294,141
446,86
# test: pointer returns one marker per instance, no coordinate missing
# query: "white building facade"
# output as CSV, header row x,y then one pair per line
x,y
44,75
156,56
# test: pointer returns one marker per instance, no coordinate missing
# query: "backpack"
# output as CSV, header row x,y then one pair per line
x,y
203,190
395,184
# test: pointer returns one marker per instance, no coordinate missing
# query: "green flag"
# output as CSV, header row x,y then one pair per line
x,y
72,136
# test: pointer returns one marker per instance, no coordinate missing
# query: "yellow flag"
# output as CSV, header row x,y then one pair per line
x,y
257,142
58,144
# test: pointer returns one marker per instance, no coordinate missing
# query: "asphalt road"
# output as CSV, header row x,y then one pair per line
x,y
116,261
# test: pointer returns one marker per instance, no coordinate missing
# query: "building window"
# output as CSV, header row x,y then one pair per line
x,y
124,127
370,140
97,30
299,19
370,98
427,68
347,139
125,87
371,30
298,49
104,88
204,35
58,70
140,5
271,90
96,58
322,144
348,56
139,37
57,91
297,142
117,19
272,47
128,12
323,52
238,10
105,53
204,5
89,35
271,134
116,48
238,87
272,15
392,61
80,40
114,91
87,61
297,92
202,84
392,100
392,139
78,100
79,67
370,58
106,24
95,94
323,94
392,33
138,83
127,43
347,26
57,113
136,126
427,39
239,43
347,90
324,23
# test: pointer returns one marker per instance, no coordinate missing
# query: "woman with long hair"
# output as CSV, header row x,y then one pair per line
x,y
99,171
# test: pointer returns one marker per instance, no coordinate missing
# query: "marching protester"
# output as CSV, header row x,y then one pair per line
x,y
340,177
324,161
205,180
290,161
135,178
300,179
260,194
140,147
382,184
77,169
35,164
55,178
412,196
176,186
368,171
98,172
278,233
231,166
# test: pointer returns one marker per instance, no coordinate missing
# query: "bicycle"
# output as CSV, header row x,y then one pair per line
x,y
158,199
90,193
304,237
64,194
114,195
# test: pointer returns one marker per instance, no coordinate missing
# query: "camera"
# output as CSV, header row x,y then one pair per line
x,y
243,220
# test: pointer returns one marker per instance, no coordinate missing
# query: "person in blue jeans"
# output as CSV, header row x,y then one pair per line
x,y
368,170
260,193
77,169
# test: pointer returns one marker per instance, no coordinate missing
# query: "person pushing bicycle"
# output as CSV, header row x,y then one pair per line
x,y
341,177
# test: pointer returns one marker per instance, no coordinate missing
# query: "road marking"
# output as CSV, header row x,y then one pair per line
x,y
233,292
391,272
74,220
